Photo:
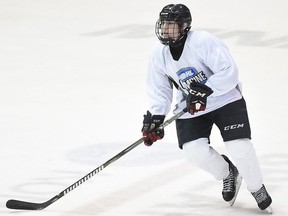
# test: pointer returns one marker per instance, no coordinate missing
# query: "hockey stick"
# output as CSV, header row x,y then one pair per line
x,y
18,204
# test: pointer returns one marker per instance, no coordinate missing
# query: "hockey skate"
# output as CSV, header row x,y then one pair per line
x,y
231,184
263,199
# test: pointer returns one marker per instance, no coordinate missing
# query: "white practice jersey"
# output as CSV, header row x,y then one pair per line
x,y
204,59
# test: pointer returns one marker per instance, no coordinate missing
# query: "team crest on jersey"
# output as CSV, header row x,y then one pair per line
x,y
189,75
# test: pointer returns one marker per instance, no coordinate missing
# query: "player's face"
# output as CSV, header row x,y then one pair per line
x,y
170,29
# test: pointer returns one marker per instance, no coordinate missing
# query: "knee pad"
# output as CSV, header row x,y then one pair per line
x,y
197,150
240,148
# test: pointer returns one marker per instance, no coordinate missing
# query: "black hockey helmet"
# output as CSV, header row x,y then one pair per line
x,y
177,13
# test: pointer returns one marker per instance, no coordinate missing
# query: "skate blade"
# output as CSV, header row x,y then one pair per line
x,y
238,184
269,210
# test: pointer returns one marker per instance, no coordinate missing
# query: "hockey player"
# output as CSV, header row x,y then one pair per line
x,y
202,70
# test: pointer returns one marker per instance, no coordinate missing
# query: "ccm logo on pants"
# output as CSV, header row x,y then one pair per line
x,y
232,127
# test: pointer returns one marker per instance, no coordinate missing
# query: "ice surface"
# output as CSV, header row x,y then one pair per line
x,y
72,95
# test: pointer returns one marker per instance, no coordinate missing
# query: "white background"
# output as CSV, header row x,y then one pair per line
x,y
72,95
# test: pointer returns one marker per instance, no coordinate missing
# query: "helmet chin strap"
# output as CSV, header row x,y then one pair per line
x,y
180,40
177,42
182,36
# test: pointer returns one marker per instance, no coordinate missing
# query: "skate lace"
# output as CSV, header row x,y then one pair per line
x,y
260,195
228,183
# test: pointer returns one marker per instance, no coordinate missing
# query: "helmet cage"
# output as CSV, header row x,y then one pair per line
x,y
172,14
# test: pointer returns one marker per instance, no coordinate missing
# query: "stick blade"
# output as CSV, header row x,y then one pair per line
x,y
21,205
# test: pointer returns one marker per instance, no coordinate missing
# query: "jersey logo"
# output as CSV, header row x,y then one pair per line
x,y
189,75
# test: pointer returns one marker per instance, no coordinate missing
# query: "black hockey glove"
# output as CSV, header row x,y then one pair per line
x,y
151,131
197,97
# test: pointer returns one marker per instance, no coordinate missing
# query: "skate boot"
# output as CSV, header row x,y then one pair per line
x,y
263,199
231,184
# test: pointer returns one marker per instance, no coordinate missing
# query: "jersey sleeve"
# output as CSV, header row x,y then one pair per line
x,y
159,89
218,58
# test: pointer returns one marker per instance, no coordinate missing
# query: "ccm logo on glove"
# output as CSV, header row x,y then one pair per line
x,y
197,97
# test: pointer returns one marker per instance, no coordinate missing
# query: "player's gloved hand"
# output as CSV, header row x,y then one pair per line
x,y
197,97
151,131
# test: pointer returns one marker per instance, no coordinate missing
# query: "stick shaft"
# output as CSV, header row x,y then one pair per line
x,y
18,204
